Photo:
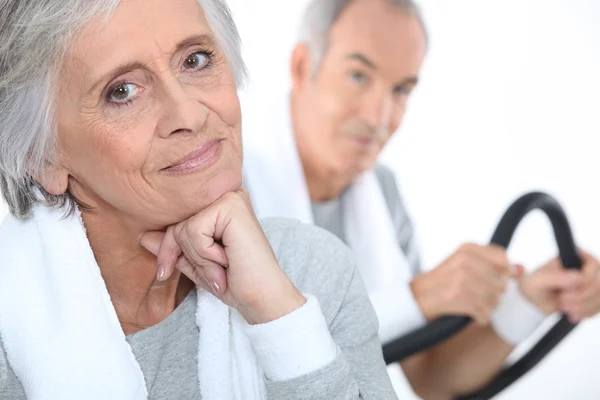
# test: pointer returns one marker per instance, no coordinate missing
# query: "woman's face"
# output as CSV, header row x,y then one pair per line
x,y
148,114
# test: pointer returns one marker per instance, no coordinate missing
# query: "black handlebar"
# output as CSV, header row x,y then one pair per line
x,y
443,328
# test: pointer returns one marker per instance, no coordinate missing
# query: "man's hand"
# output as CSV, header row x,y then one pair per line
x,y
576,293
469,282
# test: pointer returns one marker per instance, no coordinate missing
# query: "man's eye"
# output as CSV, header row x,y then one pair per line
x,y
358,77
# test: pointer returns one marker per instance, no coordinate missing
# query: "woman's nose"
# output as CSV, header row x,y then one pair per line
x,y
183,113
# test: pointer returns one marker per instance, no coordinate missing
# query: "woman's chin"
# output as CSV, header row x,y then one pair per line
x,y
191,201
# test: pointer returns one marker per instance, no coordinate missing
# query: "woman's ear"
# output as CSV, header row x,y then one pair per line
x,y
54,179
301,66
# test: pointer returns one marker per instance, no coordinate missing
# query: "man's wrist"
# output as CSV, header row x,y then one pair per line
x,y
425,297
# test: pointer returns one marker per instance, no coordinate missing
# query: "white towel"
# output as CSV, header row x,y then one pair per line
x,y
61,332
274,177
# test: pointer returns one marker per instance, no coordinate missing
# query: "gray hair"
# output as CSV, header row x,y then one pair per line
x,y
34,38
321,15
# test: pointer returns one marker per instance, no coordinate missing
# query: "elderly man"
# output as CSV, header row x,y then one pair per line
x,y
352,72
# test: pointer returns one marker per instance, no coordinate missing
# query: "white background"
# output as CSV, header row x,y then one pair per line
x,y
508,103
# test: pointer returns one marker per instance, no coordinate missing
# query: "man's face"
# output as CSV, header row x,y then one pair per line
x,y
358,97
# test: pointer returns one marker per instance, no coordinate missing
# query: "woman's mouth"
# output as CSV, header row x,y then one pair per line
x,y
201,158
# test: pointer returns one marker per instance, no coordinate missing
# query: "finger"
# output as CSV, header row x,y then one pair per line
x,y
491,264
517,271
586,258
478,302
195,274
486,278
495,256
590,308
216,277
568,301
197,238
578,310
553,264
590,269
207,274
246,196
476,270
168,254
491,302
584,303
574,318
574,314
561,280
151,241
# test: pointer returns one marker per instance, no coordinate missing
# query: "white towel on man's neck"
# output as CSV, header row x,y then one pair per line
x,y
60,329
274,177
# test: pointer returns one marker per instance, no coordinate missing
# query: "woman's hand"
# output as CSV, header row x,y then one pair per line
x,y
576,293
224,250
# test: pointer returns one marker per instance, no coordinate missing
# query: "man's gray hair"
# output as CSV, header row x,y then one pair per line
x,y
34,38
321,15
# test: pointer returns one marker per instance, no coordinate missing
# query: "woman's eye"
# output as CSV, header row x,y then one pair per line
x,y
197,60
123,92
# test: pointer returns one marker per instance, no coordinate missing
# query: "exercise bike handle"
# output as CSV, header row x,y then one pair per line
x,y
445,327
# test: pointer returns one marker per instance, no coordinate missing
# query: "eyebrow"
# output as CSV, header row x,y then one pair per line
x,y
363,59
411,80
130,66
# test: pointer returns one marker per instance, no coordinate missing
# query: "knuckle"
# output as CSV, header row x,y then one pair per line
x,y
467,247
178,229
461,260
498,253
230,195
190,231
236,200
501,265
244,194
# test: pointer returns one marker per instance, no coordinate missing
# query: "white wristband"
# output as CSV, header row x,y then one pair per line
x,y
294,345
516,317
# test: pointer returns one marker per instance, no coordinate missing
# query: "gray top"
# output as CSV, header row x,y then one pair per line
x,y
329,215
319,264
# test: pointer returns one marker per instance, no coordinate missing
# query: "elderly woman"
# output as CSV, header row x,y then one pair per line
x,y
132,265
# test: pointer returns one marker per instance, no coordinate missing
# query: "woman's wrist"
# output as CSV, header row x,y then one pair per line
x,y
294,345
280,300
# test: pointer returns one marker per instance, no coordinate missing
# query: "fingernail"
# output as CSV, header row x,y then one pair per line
x,y
216,289
160,273
213,286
